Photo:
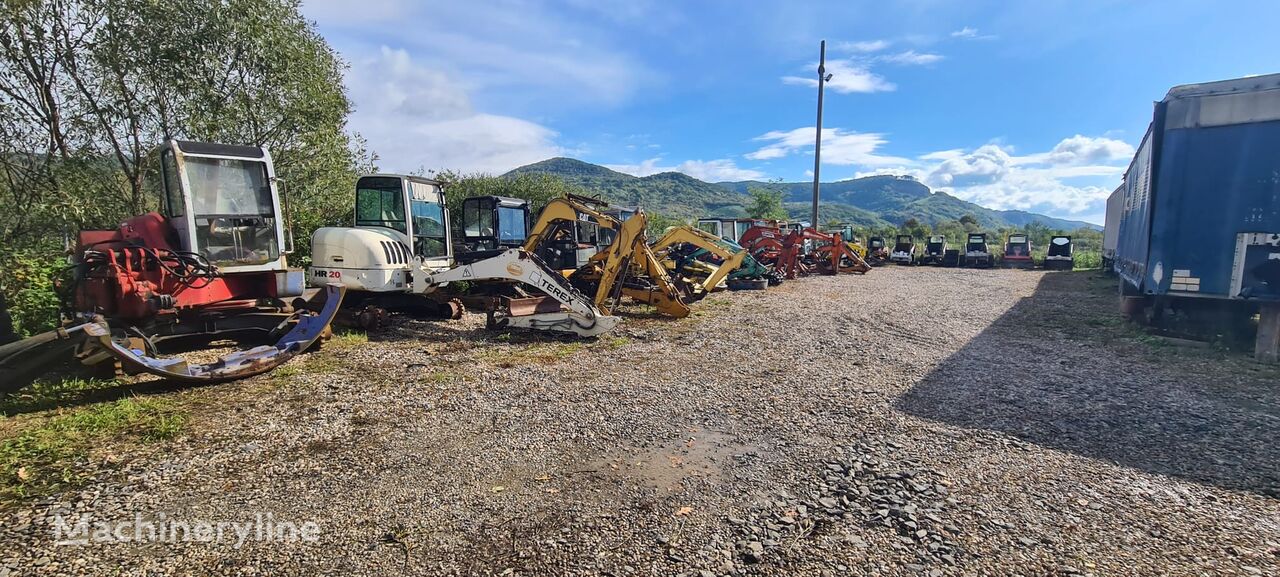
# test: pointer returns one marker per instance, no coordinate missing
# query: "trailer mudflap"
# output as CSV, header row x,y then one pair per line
x,y
310,326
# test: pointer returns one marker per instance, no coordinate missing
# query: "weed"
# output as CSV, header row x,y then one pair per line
x,y
348,339
617,342
42,395
42,457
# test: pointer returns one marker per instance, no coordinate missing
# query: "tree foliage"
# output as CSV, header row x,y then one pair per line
x,y
765,202
88,88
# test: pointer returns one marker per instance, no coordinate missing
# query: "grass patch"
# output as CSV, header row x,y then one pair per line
x,y
43,457
541,353
348,339
617,342
42,395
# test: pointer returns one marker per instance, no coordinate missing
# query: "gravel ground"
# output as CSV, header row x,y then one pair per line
x,y
910,422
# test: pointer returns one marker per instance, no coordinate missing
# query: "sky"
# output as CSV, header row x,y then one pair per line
x,y
1013,105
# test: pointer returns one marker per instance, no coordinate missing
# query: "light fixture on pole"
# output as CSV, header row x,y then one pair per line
x,y
823,77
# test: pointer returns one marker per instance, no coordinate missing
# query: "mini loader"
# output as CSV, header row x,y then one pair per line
x,y
976,253
1017,252
1060,255
935,251
904,250
877,251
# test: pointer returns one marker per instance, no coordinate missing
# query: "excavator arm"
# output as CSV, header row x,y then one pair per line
x,y
626,267
564,209
578,316
708,242
619,264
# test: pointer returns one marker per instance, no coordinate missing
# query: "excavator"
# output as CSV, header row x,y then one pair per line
x,y
679,249
625,267
211,264
399,255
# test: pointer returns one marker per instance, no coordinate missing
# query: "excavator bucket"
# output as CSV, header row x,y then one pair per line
x,y
24,361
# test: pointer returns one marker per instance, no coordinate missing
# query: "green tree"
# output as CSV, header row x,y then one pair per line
x,y
765,203
88,88
537,188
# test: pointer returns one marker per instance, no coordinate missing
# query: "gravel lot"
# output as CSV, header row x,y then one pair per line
x,y
910,422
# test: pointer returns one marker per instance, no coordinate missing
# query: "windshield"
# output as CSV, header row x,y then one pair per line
x,y
380,202
428,229
511,225
1017,239
234,211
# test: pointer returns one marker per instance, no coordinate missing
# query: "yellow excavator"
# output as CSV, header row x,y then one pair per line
x,y
701,276
607,257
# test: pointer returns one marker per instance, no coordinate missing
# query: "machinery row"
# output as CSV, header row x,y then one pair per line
x,y
975,252
212,265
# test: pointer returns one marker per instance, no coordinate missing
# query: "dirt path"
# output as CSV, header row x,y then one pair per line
x,y
912,421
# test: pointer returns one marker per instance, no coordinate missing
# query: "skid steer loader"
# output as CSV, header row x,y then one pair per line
x,y
1060,255
399,256
1017,252
904,250
976,254
935,251
877,251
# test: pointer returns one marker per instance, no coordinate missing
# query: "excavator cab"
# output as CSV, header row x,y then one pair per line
x,y
221,201
494,223
904,250
1017,252
976,253
935,250
1060,255
410,212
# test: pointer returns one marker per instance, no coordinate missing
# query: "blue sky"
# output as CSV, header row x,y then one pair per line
x,y
1034,105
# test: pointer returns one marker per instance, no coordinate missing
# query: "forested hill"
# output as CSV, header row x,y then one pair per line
x,y
872,201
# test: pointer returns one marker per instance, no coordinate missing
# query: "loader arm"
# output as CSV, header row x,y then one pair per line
x,y
582,318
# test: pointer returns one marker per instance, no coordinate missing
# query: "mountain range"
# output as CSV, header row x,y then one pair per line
x,y
873,201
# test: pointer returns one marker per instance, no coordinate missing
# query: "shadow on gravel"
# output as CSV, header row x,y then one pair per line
x,y
1061,370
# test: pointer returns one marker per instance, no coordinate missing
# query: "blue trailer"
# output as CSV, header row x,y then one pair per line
x,y
1200,223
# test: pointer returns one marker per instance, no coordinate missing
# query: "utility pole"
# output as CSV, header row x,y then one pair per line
x,y
823,77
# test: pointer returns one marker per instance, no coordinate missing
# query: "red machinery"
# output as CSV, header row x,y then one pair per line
x,y
788,254
213,264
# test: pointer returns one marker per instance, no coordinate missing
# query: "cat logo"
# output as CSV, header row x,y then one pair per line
x,y
514,269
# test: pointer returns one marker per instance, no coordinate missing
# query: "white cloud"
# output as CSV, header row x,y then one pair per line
x,y
718,170
416,117
847,77
970,33
524,56
996,177
1079,150
839,147
912,57
863,46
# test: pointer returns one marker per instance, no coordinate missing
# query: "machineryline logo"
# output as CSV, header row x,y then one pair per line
x,y
263,527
